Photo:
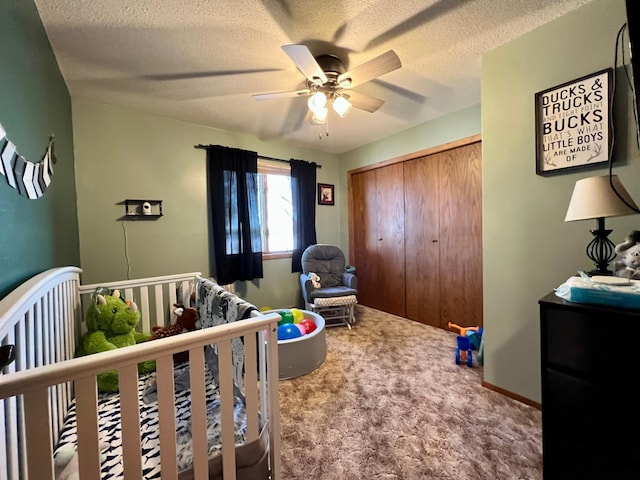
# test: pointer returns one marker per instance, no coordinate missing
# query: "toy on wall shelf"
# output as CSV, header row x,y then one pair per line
x,y
468,339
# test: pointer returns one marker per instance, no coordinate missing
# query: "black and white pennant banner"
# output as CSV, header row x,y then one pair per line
x,y
30,179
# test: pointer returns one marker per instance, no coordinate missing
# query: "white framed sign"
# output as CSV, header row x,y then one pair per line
x,y
572,124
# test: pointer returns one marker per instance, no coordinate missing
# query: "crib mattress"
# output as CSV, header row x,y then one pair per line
x,y
111,434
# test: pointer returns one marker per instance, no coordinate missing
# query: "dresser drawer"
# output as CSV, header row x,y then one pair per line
x,y
589,362
590,345
594,417
564,459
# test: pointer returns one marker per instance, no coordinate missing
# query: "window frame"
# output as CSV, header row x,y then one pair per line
x,y
271,167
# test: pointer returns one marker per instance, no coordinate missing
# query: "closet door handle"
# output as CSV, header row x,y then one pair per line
x,y
435,240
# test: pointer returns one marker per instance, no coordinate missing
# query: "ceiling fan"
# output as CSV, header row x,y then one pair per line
x,y
329,83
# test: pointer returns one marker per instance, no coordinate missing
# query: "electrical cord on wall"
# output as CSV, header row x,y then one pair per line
x,y
126,251
619,36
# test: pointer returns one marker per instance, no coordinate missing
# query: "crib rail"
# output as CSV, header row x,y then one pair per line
x,y
43,318
39,317
155,296
33,386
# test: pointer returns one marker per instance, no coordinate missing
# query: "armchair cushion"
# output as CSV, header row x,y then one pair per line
x,y
338,291
329,279
327,261
349,287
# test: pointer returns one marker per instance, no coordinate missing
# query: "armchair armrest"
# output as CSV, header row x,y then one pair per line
x,y
307,286
350,280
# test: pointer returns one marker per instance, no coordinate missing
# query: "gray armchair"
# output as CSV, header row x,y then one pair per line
x,y
336,295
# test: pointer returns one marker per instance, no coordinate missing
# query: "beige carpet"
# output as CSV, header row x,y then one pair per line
x,y
389,402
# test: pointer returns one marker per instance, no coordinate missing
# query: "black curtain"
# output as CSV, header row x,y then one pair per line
x,y
303,197
234,221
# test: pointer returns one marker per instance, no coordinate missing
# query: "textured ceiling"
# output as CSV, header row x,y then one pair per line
x,y
201,61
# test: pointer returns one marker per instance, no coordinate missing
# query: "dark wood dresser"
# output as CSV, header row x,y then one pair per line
x,y
590,366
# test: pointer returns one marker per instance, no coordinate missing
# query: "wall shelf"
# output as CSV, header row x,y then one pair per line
x,y
142,209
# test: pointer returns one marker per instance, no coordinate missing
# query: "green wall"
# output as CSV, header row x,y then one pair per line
x,y
123,154
528,248
34,103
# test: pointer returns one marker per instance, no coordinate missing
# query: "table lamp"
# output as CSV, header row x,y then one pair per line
x,y
593,198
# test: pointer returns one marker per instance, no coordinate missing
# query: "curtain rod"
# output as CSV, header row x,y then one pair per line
x,y
259,156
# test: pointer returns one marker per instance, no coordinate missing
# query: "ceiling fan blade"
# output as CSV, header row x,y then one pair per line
x,y
363,101
369,70
276,95
305,62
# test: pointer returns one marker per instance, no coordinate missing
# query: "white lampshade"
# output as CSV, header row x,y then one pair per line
x,y
593,198
341,105
317,102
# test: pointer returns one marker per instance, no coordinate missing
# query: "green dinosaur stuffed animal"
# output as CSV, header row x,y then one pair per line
x,y
111,324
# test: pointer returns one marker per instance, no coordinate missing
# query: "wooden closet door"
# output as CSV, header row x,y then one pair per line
x,y
391,235
461,236
416,237
422,234
364,234
378,237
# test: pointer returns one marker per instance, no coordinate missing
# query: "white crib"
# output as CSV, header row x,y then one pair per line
x,y
43,318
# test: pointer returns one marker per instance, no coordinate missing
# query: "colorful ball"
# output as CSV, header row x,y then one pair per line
x,y
302,328
287,331
298,316
286,317
309,325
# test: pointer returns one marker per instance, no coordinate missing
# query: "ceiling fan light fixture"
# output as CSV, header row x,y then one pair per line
x,y
328,81
320,116
341,105
317,102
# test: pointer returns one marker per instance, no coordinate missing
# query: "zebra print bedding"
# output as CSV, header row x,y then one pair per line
x,y
110,430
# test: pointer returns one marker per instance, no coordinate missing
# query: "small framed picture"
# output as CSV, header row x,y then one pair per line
x,y
325,194
572,124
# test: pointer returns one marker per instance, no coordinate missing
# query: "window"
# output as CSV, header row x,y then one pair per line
x,y
276,209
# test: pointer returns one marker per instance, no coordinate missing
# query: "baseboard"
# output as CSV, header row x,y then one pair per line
x,y
509,394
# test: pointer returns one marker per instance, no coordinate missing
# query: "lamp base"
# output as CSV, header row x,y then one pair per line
x,y
601,250
595,271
